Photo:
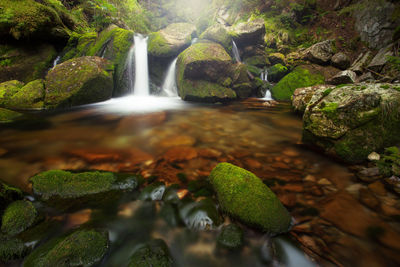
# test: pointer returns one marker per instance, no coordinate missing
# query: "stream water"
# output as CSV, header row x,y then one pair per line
x,y
336,222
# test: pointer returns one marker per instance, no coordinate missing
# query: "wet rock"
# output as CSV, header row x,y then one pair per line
x,y
341,61
249,32
361,62
302,96
153,192
18,216
153,253
231,237
172,40
245,196
219,34
354,189
301,76
343,77
12,249
170,214
30,96
378,188
380,60
369,174
394,183
320,53
209,153
9,116
368,199
8,194
79,81
66,190
343,122
204,73
200,215
79,248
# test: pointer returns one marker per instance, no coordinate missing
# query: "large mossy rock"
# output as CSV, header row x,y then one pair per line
x,y
8,116
11,249
172,40
219,34
30,20
204,73
19,216
25,62
30,96
113,44
277,72
79,81
66,190
80,248
298,78
8,194
248,33
154,253
320,53
352,121
8,90
244,196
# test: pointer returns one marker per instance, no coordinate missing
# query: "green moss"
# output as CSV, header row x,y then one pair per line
x,y
199,90
219,34
231,237
8,193
158,45
298,78
18,217
330,109
244,196
385,86
8,90
7,116
11,249
327,91
154,253
80,248
31,96
277,72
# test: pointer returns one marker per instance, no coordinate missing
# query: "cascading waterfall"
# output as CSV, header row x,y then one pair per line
x,y
235,51
130,68
264,76
56,61
141,87
169,86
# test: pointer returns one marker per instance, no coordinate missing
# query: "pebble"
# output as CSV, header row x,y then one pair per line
x,y
374,156
324,182
310,178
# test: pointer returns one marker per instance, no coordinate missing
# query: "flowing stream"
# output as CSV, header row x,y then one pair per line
x,y
169,86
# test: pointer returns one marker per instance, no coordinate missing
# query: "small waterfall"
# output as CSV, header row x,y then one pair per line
x,y
141,87
268,95
264,76
236,52
169,86
130,67
56,61
194,40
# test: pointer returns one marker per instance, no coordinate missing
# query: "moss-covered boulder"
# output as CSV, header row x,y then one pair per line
x,y
298,78
11,249
245,197
204,73
7,90
153,253
352,121
8,194
28,20
219,34
277,72
302,96
19,216
172,40
320,53
25,61
30,96
248,33
66,190
79,248
8,116
79,81
231,237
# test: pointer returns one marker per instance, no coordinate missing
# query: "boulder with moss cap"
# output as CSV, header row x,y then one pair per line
x,y
19,216
82,247
352,121
67,190
245,197
219,34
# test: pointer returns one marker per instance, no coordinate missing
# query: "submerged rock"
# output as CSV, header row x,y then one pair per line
x,y
172,40
80,248
154,253
352,121
7,116
231,237
200,215
204,73
19,216
300,77
66,190
79,81
244,196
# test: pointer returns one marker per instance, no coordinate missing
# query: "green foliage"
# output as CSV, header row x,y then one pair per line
x,y
395,61
5,62
389,164
330,109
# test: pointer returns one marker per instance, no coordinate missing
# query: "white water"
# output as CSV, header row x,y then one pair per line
x,y
268,95
56,61
194,40
141,87
235,51
131,68
264,76
169,87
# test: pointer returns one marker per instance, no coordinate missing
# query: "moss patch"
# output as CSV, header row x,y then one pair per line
x,y
11,249
277,72
231,237
219,34
298,78
8,90
18,217
244,196
8,116
154,253
31,96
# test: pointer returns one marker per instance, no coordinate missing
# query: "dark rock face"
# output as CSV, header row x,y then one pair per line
x,y
246,33
341,61
343,77
375,23
352,121
79,81
380,60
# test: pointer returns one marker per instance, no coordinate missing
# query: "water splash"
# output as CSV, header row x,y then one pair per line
x,y
268,95
235,51
141,87
169,87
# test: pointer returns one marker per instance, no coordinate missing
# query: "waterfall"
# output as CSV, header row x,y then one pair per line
x,y
236,52
264,76
268,95
130,67
141,87
169,86
55,62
